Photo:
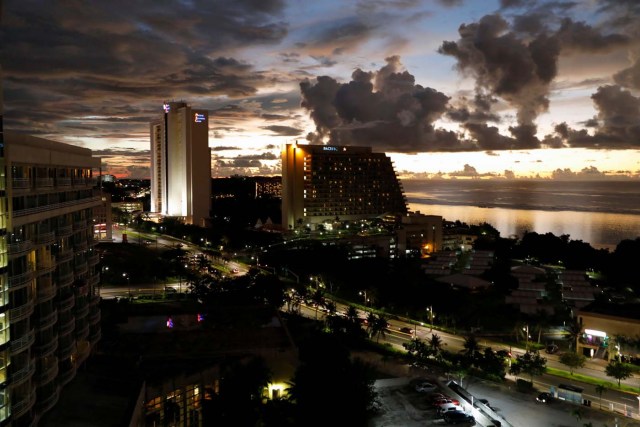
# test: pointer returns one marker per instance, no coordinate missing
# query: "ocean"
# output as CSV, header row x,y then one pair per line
x,y
601,213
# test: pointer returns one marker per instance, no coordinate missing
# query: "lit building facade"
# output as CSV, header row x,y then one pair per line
x,y
325,182
49,304
181,164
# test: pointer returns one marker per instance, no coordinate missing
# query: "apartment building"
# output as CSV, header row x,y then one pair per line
x,y
49,304
325,182
181,164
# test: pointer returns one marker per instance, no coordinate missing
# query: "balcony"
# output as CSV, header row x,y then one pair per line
x,y
63,181
64,230
94,336
64,256
45,238
81,204
44,182
81,312
66,326
93,280
66,302
92,242
84,350
94,317
94,300
48,373
20,183
80,268
80,225
82,332
65,376
48,320
23,343
46,293
21,312
66,348
20,248
65,279
45,267
21,406
82,290
80,246
47,348
93,259
23,374
49,401
21,280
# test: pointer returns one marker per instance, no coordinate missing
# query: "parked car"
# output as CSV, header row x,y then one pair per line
x,y
485,402
447,407
544,398
425,387
459,417
169,290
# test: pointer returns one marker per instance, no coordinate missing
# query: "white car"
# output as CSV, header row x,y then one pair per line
x,y
425,387
448,407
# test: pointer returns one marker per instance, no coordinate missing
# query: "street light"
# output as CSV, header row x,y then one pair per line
x,y
526,328
126,276
430,310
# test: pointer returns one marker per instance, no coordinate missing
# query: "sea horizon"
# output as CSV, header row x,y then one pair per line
x,y
601,213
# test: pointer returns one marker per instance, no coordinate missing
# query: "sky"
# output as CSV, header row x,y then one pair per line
x,y
447,88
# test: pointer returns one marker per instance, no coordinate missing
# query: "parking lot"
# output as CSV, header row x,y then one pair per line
x,y
403,406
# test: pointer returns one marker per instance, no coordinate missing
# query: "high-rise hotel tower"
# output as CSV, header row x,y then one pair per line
x,y
181,164
322,182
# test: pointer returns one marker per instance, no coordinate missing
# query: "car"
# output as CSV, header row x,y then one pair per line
x,y
447,407
544,397
235,270
425,387
406,330
439,402
458,417
485,402
170,290
551,349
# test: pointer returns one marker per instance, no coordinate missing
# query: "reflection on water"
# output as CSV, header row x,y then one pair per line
x,y
601,230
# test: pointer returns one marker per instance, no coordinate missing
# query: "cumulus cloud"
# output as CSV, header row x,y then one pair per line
x,y
385,109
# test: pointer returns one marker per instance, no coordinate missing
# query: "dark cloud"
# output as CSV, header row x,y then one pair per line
x,y
516,69
283,130
77,59
629,77
384,109
583,37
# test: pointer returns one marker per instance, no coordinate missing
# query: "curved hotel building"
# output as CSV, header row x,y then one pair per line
x,y
325,182
49,304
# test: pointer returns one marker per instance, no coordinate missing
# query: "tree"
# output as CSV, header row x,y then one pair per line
x,y
573,330
530,363
572,360
471,352
329,385
417,349
618,370
377,326
435,345
600,389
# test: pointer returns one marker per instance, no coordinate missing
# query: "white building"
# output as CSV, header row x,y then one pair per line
x,y
181,164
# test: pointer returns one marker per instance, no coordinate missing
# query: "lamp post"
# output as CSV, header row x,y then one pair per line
x,y
430,310
126,276
526,329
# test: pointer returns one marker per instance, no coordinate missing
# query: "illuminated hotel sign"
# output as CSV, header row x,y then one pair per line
x,y
166,107
329,149
198,118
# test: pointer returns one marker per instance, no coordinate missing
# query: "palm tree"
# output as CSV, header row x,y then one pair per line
x,y
573,330
435,344
600,389
471,349
377,325
351,313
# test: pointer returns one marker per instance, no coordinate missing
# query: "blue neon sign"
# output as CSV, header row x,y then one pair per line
x,y
199,118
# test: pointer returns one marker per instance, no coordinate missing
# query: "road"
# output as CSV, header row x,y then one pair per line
x,y
611,399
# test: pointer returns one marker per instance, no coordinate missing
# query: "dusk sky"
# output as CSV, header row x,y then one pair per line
x,y
447,88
